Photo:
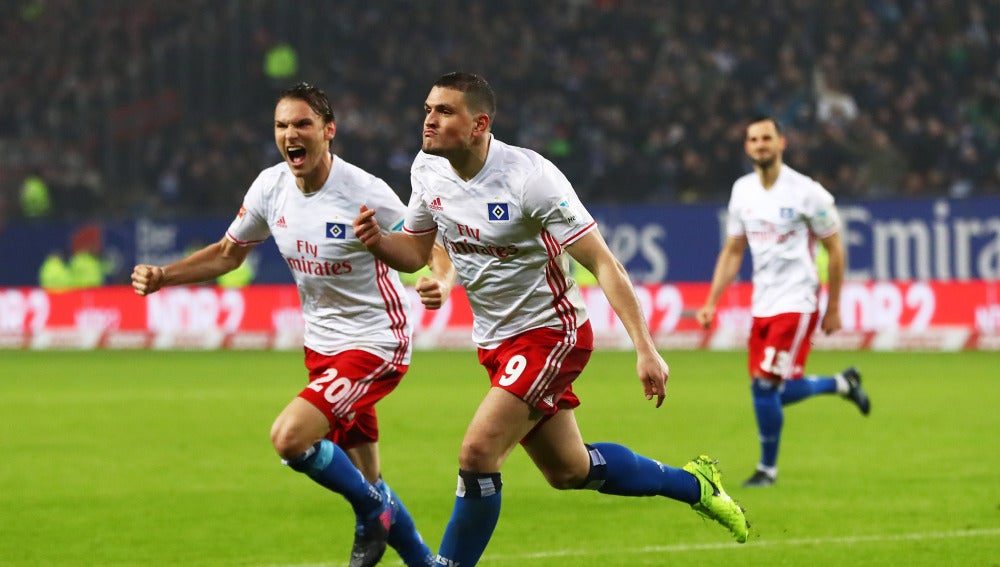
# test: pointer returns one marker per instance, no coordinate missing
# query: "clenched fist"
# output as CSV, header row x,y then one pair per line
x,y
147,279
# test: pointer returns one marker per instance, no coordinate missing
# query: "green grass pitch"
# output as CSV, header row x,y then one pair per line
x,y
163,458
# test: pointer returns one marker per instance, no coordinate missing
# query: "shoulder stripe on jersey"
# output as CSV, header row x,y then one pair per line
x,y
394,309
576,236
241,242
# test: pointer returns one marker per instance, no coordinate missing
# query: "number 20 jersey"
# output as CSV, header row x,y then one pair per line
x,y
350,300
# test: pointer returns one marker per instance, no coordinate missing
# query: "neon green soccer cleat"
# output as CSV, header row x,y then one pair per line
x,y
715,504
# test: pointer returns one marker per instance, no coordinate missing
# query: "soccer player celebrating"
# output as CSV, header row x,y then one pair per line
x,y
356,311
510,220
779,212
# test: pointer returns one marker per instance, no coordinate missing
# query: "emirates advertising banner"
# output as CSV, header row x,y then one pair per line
x,y
921,274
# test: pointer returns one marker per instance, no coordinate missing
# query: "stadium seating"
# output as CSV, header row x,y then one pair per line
x,y
145,107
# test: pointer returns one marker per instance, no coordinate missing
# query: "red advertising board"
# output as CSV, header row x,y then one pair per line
x,y
878,315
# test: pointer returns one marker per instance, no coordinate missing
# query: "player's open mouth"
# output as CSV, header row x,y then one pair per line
x,y
296,155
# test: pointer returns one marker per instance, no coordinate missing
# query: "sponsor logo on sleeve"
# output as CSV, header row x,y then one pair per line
x,y
567,212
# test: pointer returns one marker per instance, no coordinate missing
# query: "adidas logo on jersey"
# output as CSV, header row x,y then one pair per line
x,y
281,223
436,204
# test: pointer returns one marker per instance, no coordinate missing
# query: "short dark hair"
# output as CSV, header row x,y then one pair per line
x,y
766,118
313,96
478,93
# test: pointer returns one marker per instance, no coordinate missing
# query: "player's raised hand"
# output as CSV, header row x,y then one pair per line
x,y
433,293
146,279
653,373
366,227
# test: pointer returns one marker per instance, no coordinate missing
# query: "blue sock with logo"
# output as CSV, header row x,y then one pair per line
x,y
770,418
330,467
616,469
801,388
403,534
473,519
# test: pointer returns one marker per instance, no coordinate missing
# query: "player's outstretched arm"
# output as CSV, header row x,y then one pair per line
x,y
593,253
206,264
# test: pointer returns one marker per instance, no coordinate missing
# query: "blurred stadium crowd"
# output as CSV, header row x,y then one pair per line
x,y
138,107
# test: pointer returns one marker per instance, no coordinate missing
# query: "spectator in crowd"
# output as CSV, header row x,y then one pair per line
x,y
54,273
35,200
638,96
86,266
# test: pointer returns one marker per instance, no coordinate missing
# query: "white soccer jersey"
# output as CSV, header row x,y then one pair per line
x,y
505,230
781,224
350,299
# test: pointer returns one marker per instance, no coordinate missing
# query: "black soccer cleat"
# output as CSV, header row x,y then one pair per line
x,y
371,537
856,393
759,479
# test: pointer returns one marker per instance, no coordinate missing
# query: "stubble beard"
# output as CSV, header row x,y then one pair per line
x,y
429,148
765,163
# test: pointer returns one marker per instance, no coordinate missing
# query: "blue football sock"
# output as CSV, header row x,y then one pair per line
x,y
801,388
770,418
330,467
477,509
403,535
616,469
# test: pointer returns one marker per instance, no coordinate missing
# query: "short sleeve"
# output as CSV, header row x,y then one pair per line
x,y
734,224
549,198
250,225
822,213
418,216
389,209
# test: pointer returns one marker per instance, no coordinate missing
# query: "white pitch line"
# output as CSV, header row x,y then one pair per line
x,y
954,534
767,543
